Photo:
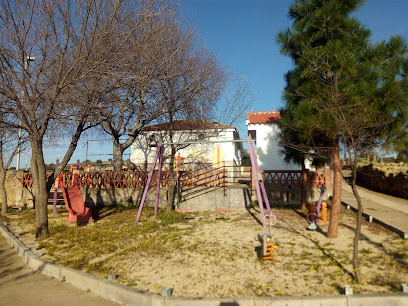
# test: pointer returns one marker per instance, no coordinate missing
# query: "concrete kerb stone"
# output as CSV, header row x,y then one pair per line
x,y
157,300
378,300
35,263
339,300
104,288
122,294
13,241
80,280
51,269
180,301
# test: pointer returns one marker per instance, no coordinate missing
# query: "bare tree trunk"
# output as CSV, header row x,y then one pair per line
x,y
117,156
337,187
359,219
357,234
3,194
40,190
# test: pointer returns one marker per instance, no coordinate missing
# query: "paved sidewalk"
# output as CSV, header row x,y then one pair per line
x,y
21,286
389,210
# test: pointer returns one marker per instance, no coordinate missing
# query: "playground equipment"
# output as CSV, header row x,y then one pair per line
x,y
313,217
268,247
159,155
77,211
58,184
259,184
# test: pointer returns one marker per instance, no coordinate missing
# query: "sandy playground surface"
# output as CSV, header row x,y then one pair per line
x,y
218,253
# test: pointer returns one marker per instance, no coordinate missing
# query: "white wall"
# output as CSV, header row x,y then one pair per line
x,y
205,153
268,150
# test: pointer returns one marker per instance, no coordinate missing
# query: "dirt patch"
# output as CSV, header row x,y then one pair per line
x,y
218,253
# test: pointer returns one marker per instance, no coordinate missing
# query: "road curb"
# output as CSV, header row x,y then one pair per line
x,y
130,296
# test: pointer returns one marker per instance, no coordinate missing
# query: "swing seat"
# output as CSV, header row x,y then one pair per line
x,y
312,226
77,211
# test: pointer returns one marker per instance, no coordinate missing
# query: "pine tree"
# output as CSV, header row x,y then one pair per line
x,y
342,88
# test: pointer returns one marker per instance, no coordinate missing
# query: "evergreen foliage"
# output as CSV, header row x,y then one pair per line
x,y
339,73
343,88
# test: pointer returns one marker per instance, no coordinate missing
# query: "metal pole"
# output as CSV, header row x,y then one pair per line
x,y
149,178
86,161
256,176
158,181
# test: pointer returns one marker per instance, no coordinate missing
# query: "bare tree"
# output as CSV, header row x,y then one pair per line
x,y
192,91
202,90
72,43
133,101
9,147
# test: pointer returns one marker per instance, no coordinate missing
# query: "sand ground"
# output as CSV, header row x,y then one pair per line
x,y
219,254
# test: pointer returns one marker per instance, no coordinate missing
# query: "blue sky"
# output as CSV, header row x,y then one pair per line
x,y
242,33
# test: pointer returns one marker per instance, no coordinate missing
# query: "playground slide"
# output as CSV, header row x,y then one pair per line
x,y
77,211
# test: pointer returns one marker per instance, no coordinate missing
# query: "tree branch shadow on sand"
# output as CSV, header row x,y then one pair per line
x,y
248,208
324,252
395,255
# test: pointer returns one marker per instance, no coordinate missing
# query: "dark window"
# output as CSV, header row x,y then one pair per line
x,y
252,133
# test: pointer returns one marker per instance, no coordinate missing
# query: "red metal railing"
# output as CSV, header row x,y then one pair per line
x,y
293,179
200,178
203,178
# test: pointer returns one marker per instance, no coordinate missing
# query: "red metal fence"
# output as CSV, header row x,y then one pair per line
x,y
294,179
133,179
205,178
108,179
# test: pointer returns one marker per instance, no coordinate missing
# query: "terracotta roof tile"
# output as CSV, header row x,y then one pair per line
x,y
263,117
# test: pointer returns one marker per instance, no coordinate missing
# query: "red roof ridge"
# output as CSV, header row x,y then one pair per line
x,y
263,117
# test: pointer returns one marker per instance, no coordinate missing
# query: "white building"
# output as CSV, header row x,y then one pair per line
x,y
228,153
263,127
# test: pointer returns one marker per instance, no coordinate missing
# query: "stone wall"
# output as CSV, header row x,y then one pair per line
x,y
391,179
12,187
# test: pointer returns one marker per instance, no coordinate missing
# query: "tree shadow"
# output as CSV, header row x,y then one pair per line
x,y
248,208
323,250
395,255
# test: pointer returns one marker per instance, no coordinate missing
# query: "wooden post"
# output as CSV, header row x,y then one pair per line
x,y
312,211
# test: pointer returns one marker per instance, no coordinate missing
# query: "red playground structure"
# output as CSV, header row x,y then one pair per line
x,y
77,211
